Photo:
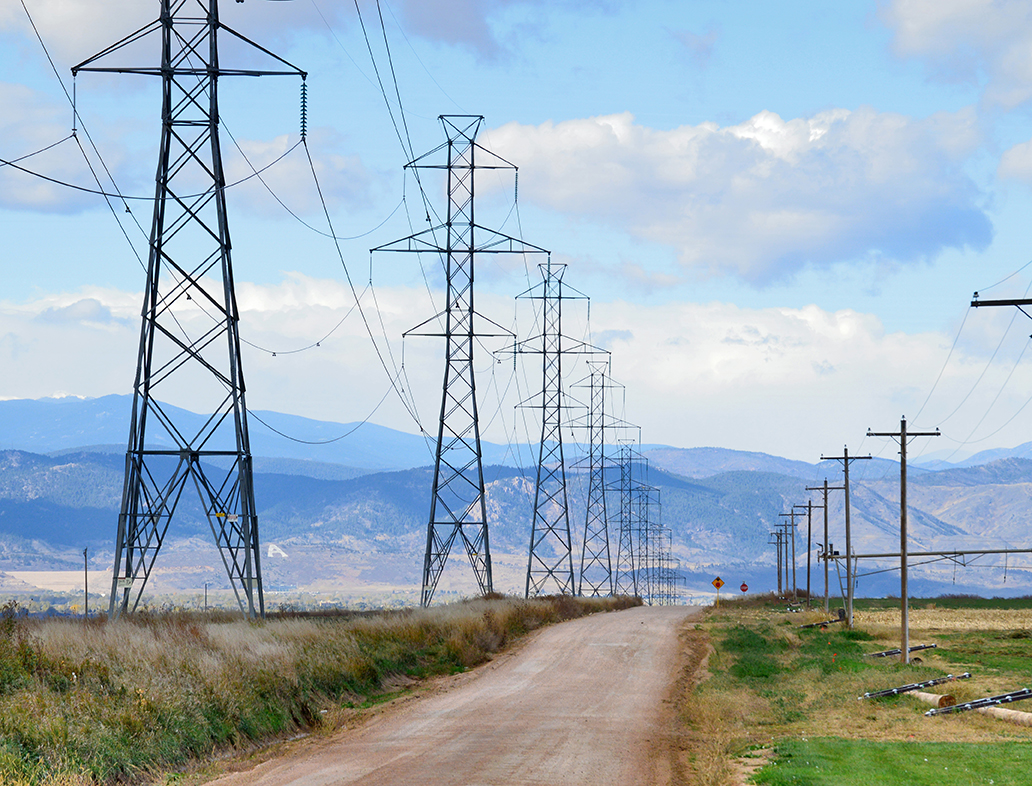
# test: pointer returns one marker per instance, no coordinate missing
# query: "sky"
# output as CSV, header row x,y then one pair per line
x,y
778,211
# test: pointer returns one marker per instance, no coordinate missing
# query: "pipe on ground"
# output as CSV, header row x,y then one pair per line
x,y
1001,713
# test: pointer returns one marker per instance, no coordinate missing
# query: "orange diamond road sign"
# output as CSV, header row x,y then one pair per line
x,y
718,582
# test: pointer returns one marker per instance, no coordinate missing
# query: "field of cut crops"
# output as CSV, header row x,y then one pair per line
x,y
943,619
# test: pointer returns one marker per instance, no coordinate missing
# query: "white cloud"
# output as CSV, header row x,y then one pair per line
x,y
985,42
792,382
81,343
1016,163
767,197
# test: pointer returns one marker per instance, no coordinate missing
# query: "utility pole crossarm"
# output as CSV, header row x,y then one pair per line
x,y
1018,302
976,303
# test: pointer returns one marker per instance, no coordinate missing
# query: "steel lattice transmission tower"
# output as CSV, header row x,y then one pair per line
x,y
648,519
189,340
550,563
457,501
596,572
625,580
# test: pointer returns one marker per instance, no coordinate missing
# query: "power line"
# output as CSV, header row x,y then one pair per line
x,y
100,191
346,434
258,173
365,320
77,121
420,60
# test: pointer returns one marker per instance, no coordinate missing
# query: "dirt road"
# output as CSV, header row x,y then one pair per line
x,y
580,703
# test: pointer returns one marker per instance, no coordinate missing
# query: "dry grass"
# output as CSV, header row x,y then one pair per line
x,y
933,619
104,703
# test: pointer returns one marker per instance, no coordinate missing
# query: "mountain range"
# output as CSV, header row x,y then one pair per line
x,y
358,512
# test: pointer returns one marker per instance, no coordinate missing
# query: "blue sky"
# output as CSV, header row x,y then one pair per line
x,y
779,210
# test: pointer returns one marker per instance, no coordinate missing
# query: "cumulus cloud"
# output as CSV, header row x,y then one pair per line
x,y
973,41
792,381
788,381
769,196
88,311
79,343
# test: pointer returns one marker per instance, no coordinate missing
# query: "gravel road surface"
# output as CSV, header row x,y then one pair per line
x,y
583,702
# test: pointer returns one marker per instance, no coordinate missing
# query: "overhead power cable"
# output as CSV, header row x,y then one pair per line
x,y
420,60
365,320
100,191
51,146
77,121
307,347
1005,278
345,435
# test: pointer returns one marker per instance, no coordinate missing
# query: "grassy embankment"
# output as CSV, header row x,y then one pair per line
x,y
93,703
787,694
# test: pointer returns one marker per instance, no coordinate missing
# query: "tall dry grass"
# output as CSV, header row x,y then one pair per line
x,y
109,703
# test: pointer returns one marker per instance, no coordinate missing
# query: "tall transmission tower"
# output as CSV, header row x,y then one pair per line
x,y
596,572
625,579
649,526
643,498
189,339
550,562
457,500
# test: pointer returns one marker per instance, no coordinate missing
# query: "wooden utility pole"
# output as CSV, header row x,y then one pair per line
x,y
793,514
846,461
809,546
827,546
904,603
776,534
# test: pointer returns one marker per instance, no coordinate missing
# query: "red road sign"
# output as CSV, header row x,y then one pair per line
x,y
718,582
744,587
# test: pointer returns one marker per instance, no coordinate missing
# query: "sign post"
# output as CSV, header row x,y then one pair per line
x,y
718,583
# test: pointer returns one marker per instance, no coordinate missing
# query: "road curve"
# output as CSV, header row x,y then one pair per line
x,y
580,703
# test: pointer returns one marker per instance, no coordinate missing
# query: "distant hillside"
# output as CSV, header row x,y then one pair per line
x,y
366,499
51,425
51,507
705,462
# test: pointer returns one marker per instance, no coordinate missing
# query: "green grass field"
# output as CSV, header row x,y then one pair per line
x,y
789,694
839,762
